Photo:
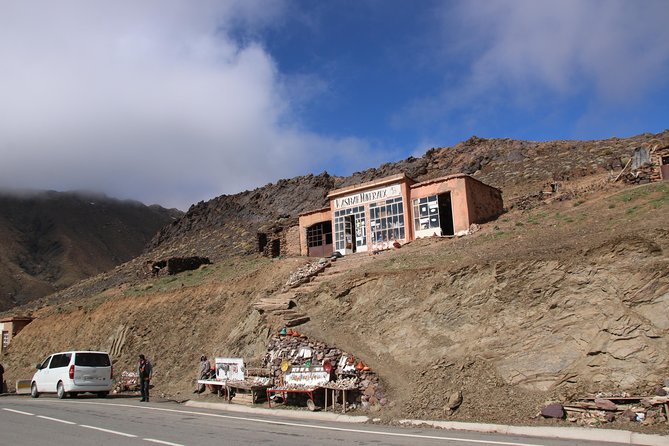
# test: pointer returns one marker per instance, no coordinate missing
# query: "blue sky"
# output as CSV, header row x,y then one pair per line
x,y
173,102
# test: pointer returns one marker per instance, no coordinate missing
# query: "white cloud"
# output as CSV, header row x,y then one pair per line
x,y
152,100
619,48
530,53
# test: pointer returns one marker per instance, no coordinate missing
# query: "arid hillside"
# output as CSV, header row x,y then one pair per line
x,y
523,170
51,240
562,296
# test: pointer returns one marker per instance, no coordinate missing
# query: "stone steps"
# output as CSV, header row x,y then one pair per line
x,y
282,307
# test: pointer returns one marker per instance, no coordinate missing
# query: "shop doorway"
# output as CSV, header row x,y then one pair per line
x,y
349,232
446,214
319,239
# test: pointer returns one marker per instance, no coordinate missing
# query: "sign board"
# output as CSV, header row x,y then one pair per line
x,y
307,377
368,196
230,369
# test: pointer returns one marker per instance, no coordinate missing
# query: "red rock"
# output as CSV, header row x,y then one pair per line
x,y
628,415
554,410
605,404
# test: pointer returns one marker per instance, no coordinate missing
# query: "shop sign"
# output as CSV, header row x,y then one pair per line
x,y
307,377
230,369
368,196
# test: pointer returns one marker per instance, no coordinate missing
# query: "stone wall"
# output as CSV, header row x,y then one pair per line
x,y
292,245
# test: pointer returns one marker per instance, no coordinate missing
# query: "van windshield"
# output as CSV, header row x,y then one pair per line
x,y
92,360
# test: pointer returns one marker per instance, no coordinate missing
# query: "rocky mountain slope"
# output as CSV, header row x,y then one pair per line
x,y
227,225
51,240
564,295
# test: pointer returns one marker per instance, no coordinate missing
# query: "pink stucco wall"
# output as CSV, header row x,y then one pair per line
x,y
485,202
456,186
306,220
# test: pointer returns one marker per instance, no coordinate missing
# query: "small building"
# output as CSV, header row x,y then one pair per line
x,y
10,327
374,215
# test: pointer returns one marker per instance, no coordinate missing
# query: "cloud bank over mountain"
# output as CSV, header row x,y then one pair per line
x,y
166,102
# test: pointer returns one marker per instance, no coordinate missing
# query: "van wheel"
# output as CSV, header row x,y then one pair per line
x,y
60,391
33,391
103,394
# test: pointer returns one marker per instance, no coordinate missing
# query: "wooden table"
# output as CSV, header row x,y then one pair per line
x,y
254,388
334,397
308,390
219,385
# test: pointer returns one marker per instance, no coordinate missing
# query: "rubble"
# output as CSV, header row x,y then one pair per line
x,y
306,272
128,381
606,407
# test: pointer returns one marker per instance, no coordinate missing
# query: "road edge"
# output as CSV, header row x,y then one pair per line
x,y
565,433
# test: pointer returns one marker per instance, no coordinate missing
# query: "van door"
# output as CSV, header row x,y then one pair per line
x,y
58,370
41,376
92,369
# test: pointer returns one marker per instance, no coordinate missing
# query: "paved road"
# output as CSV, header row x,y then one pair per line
x,y
118,421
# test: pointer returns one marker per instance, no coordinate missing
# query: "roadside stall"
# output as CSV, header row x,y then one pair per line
x,y
254,384
232,379
227,369
320,372
306,380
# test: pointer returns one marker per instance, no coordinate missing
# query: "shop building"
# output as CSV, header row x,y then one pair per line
x,y
374,215
10,327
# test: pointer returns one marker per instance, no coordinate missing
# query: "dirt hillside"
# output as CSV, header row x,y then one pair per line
x,y
563,296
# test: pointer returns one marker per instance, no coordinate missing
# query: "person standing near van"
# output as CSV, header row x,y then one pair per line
x,y
144,373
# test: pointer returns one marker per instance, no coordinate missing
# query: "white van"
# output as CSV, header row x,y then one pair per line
x,y
70,373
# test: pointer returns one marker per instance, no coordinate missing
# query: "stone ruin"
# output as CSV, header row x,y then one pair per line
x,y
647,165
174,265
279,239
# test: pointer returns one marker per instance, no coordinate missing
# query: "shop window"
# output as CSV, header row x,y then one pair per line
x,y
426,213
434,214
386,221
350,231
319,234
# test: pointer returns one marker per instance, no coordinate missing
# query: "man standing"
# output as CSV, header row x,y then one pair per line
x,y
144,373
203,373
2,379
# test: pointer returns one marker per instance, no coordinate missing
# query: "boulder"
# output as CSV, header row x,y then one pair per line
x,y
454,400
628,415
554,410
604,404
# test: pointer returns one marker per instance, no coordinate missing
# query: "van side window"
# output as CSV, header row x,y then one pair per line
x,y
62,360
45,364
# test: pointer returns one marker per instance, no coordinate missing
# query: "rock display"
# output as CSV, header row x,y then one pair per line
x,y
348,372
